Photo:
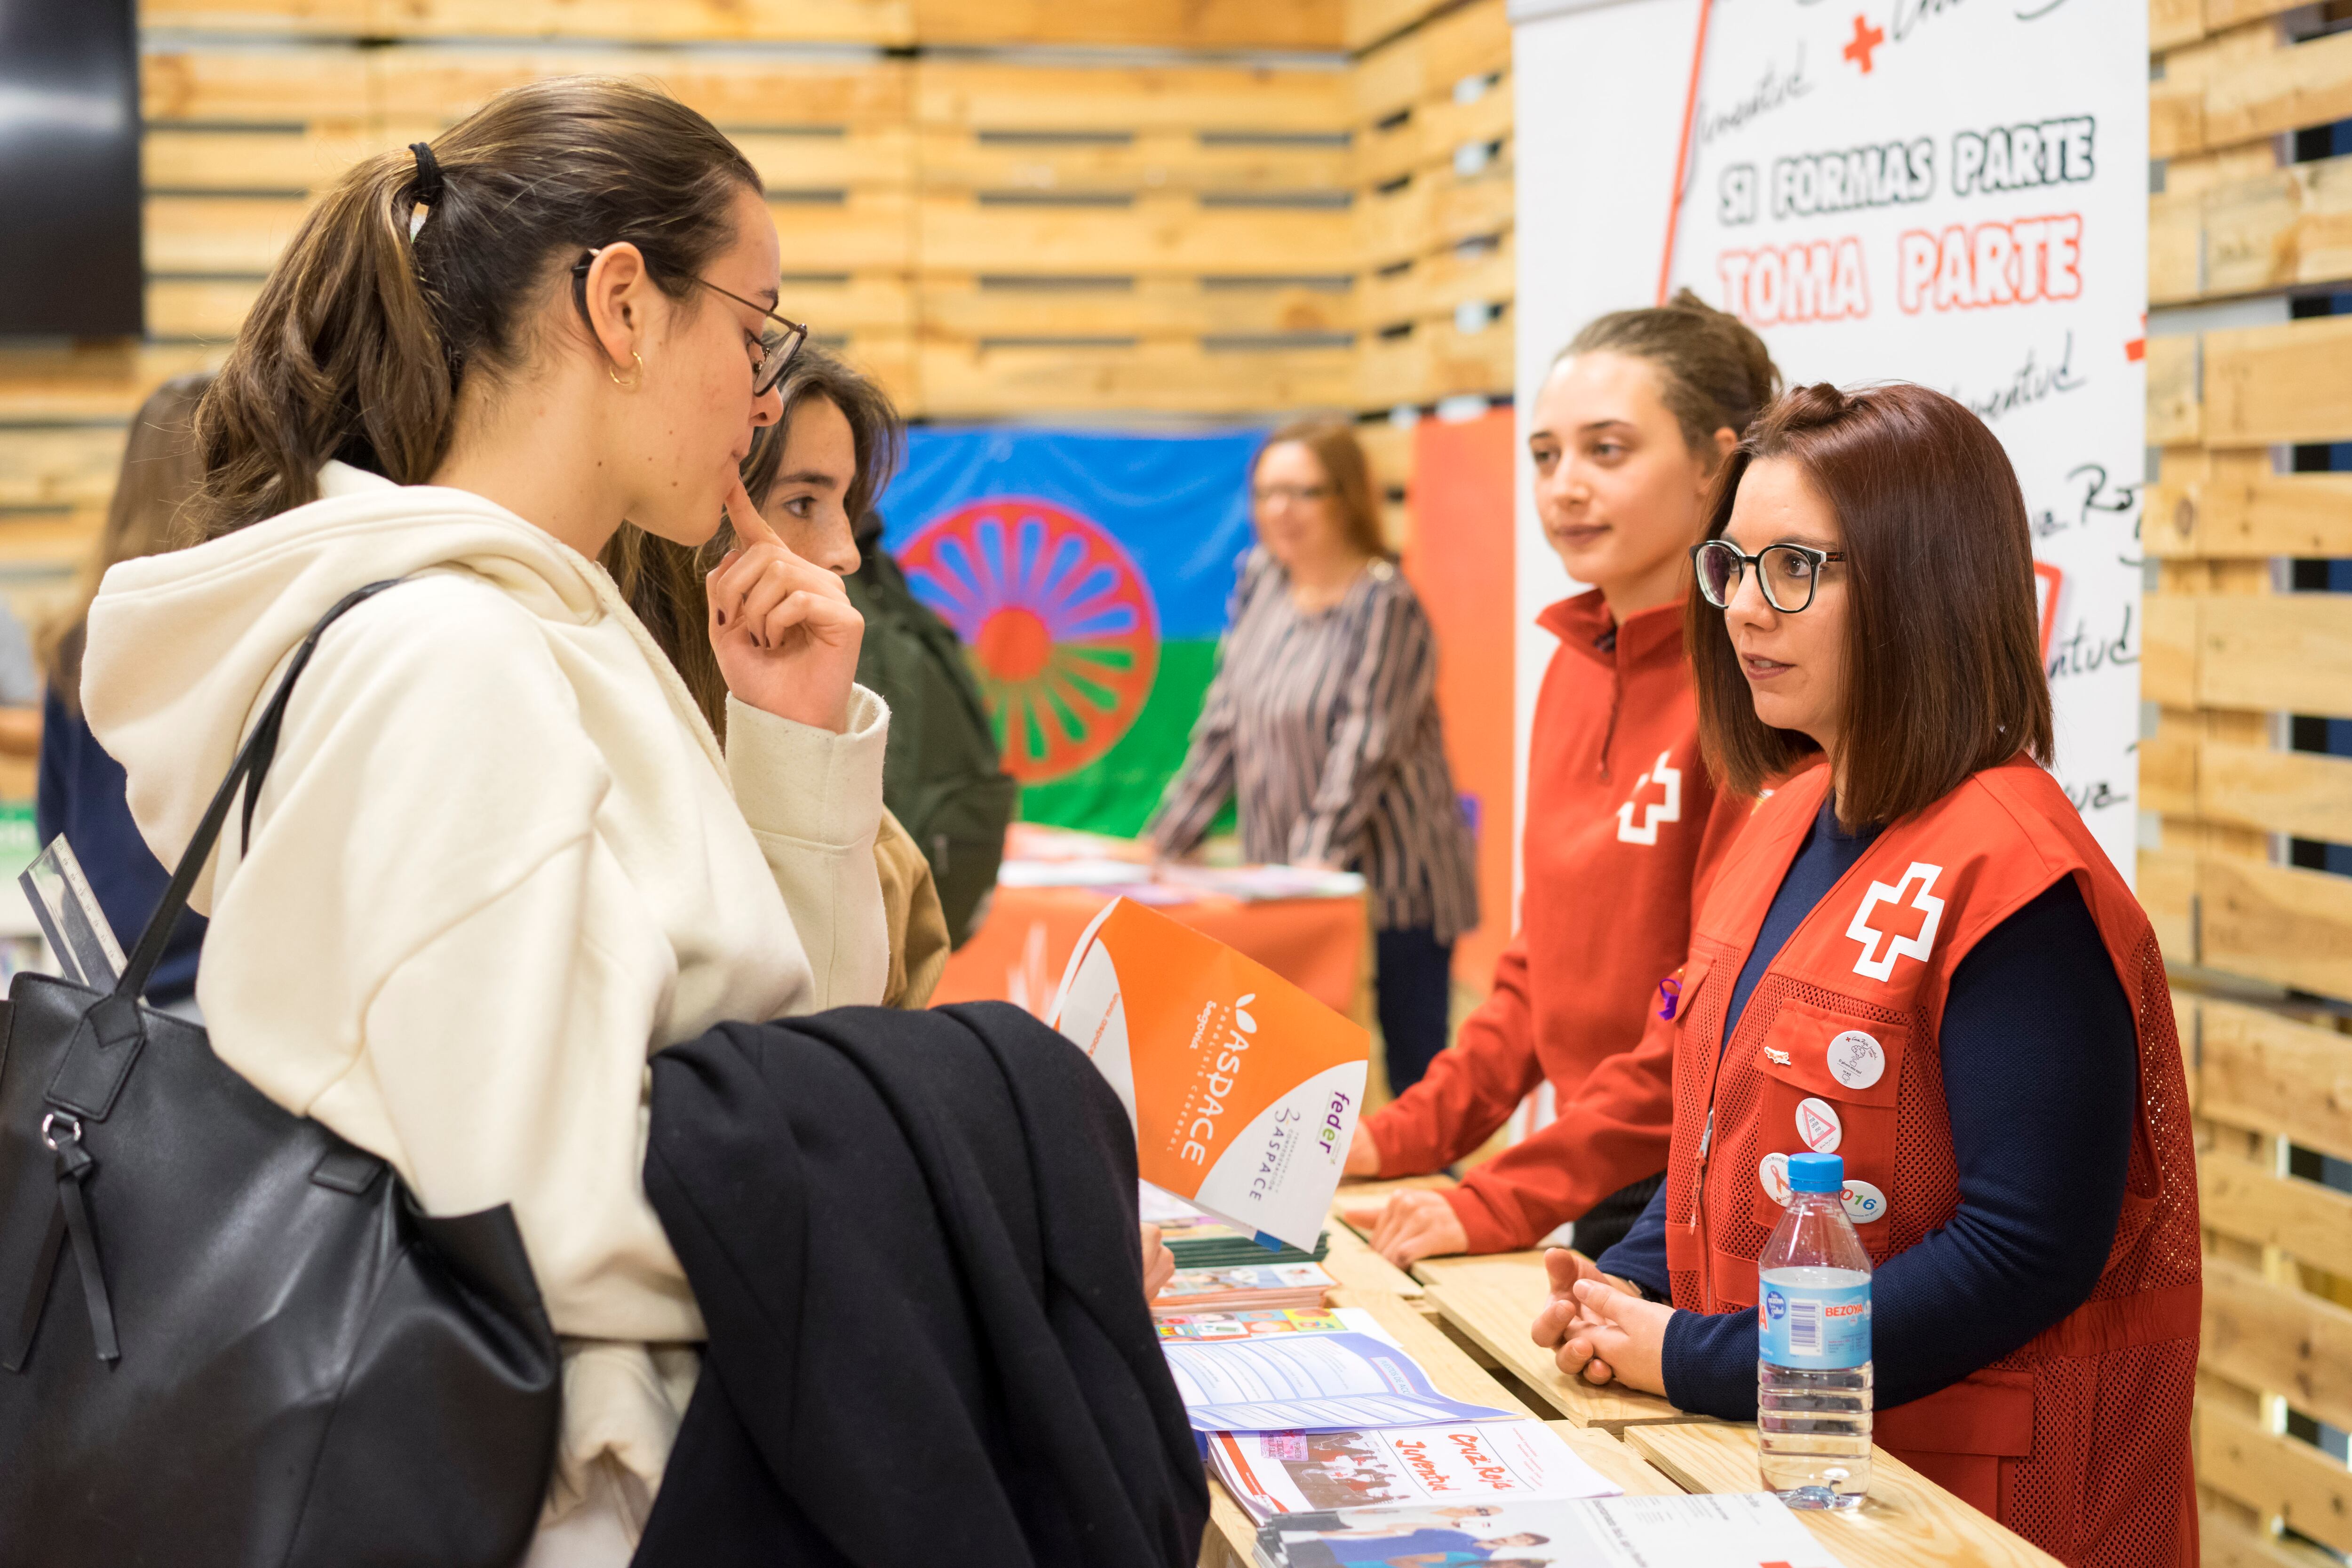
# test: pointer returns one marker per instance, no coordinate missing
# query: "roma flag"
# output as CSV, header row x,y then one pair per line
x,y
1087,573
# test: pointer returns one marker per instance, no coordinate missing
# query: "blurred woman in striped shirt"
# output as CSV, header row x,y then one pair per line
x,y
1322,720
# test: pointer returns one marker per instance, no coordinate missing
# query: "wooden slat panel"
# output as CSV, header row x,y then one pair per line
x,y
2167,765
1448,121
342,18
2263,515
1172,377
2239,1198
179,159
2261,1070
1389,79
91,380
2176,120
960,306
219,233
2269,385
2176,240
1171,161
866,229
872,157
2299,793
2291,651
2270,90
2275,1475
428,86
651,21
1432,285
1436,360
2175,417
2288,1341
2275,922
1431,212
2227,1541
2166,885
859,304
2171,23
1469,41
1368,21
1152,233
210,309
1189,24
258,87
2168,671
59,466
994,97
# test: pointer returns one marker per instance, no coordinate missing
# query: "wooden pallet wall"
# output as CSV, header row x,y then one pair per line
x,y
1252,223
2263,948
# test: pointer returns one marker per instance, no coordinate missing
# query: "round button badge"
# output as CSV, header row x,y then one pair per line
x,y
1772,1171
1863,1203
1856,1060
1818,1125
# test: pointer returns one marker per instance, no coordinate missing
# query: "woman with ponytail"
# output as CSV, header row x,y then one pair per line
x,y
1627,434
502,858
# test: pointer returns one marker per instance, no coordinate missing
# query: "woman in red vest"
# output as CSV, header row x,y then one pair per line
x,y
1916,957
1626,437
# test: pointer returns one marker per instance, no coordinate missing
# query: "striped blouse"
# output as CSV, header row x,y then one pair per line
x,y
1325,725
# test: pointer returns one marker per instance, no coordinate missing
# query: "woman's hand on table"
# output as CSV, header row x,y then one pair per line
x,y
1599,1327
1413,1225
1158,1263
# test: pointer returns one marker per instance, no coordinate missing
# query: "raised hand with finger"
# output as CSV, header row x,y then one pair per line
x,y
785,630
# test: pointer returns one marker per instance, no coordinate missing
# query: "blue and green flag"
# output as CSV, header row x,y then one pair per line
x,y
1087,574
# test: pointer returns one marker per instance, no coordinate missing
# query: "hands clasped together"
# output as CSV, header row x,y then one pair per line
x,y
1600,1327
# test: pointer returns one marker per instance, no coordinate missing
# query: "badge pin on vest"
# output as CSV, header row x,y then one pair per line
x,y
1864,1202
1856,1060
1818,1125
1772,1171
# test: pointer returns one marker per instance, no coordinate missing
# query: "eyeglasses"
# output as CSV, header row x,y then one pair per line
x,y
1266,495
778,346
1787,573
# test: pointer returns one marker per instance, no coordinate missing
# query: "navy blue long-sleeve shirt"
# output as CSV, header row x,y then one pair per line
x,y
82,795
2040,1063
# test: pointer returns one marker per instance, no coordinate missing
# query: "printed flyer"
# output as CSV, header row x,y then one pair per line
x,y
1244,1090
1271,1473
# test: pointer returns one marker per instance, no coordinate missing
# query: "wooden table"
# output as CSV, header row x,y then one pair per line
x,y
1493,1300
1907,1521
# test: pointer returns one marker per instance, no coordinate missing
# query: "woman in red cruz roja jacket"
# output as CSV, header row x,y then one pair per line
x,y
1917,957
1627,434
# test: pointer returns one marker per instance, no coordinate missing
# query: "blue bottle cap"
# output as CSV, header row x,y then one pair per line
x,y
1816,1172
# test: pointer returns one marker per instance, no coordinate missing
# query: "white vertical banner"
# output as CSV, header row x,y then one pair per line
x,y
1950,191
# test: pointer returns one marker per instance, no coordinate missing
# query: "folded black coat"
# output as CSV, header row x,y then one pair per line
x,y
913,1238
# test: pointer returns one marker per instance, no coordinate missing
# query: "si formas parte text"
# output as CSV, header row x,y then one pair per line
x,y
2021,262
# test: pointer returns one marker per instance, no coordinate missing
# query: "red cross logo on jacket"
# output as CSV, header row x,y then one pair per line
x,y
1878,962
1669,809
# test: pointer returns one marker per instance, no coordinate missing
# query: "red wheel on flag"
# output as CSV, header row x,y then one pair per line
x,y
1058,622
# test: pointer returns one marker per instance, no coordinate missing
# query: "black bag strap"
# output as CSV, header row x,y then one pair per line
x,y
252,765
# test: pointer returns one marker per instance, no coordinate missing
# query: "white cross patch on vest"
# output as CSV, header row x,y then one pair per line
x,y
1669,809
1876,964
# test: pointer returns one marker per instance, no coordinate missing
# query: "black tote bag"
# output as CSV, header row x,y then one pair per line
x,y
227,1337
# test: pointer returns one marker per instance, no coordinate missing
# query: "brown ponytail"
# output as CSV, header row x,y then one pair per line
x,y
362,337
1713,371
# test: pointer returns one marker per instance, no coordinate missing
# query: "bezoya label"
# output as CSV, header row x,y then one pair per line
x,y
1803,1323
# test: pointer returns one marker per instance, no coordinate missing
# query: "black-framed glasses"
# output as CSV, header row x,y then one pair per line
x,y
1787,573
778,346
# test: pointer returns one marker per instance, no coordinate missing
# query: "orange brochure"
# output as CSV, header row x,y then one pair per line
x,y
1243,1088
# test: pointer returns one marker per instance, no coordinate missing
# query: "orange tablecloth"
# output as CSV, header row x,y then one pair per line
x,y
1019,952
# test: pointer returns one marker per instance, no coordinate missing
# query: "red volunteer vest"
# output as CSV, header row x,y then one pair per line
x,y
2079,1441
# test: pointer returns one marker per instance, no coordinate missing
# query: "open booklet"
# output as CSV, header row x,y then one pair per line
x,y
1244,1090
1740,1529
1310,1382
1272,1473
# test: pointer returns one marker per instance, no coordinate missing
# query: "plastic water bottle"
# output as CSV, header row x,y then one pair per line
x,y
1812,1362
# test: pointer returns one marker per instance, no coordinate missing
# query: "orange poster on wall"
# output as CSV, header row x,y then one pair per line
x,y
1244,1090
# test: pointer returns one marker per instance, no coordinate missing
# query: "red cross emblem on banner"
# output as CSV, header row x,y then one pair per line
x,y
1901,935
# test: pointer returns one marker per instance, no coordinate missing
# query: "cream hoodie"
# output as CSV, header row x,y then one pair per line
x,y
498,861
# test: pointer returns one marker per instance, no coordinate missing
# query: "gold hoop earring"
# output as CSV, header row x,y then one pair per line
x,y
634,381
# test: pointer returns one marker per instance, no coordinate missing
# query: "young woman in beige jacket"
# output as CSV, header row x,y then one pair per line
x,y
502,858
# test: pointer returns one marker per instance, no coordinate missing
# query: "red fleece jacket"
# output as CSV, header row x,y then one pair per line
x,y
1623,825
